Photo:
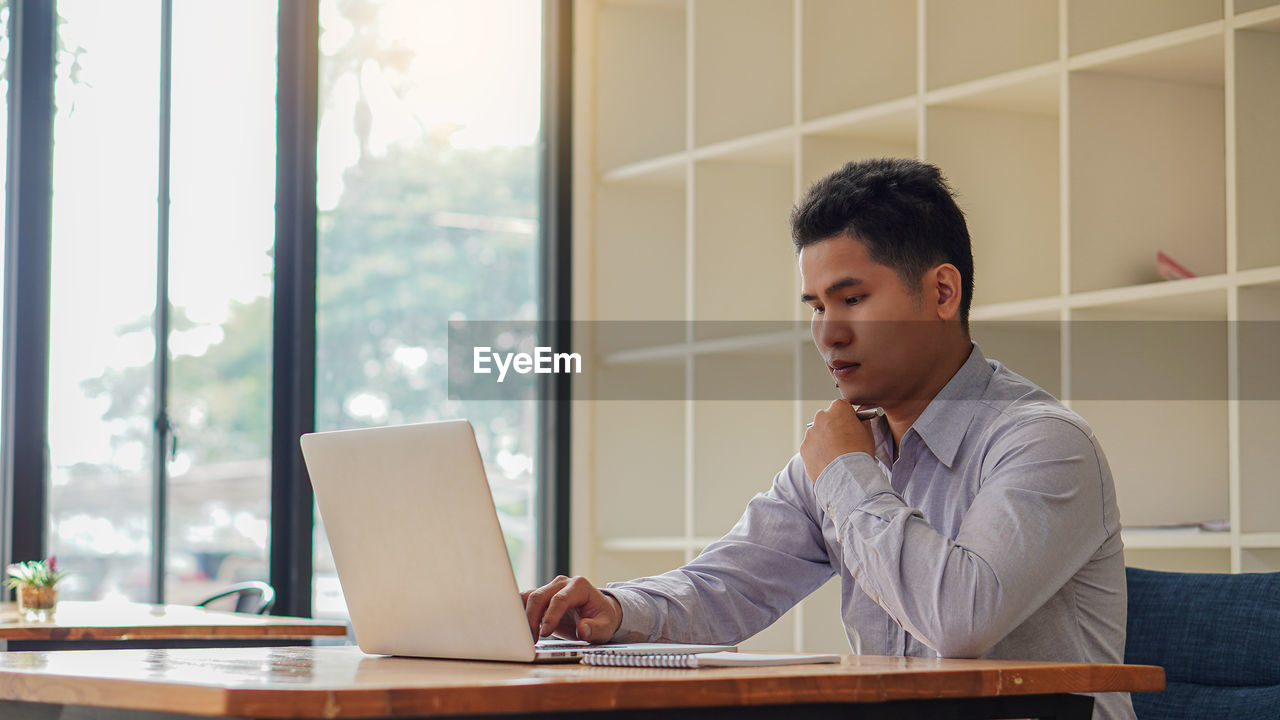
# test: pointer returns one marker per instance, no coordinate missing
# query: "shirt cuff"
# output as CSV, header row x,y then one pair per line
x,y
847,482
638,614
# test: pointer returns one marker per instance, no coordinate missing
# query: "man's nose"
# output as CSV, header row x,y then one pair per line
x,y
831,333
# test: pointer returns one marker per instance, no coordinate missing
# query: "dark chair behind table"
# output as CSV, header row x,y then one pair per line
x,y
1217,637
251,597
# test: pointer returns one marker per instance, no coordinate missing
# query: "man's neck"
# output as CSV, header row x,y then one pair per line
x,y
905,413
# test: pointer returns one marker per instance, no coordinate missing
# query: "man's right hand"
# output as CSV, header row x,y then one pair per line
x,y
571,608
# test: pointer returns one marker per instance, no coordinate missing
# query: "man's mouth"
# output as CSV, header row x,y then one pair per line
x,y
841,369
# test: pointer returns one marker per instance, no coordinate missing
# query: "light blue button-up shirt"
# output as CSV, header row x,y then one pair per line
x,y
995,534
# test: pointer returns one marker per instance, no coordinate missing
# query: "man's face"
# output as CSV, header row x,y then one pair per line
x,y
879,339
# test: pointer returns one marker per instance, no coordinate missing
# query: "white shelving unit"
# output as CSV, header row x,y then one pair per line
x,y
1083,136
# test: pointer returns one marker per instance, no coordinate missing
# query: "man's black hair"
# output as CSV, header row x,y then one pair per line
x,y
903,212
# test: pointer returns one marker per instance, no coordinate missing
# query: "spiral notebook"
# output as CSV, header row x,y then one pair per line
x,y
701,660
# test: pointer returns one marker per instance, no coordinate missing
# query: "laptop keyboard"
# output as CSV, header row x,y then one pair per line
x,y
558,644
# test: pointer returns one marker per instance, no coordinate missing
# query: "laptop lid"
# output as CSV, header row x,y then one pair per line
x,y
416,541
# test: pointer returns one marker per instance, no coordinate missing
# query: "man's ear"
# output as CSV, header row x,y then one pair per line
x,y
945,279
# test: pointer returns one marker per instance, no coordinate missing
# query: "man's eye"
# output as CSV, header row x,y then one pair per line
x,y
853,300
817,309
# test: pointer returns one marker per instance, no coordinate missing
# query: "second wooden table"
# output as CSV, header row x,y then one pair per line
x,y
98,625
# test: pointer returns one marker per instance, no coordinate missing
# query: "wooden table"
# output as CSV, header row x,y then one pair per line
x,y
342,682
97,625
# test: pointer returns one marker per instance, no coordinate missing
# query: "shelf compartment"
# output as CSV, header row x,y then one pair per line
x,y
639,251
1031,347
664,171
1193,57
763,374
741,446
823,152
743,67
1004,167
1172,290
1159,145
1251,5
720,338
980,38
1244,6
1260,560
1265,19
644,380
1150,377
1030,90
741,443
672,543
844,38
638,466
769,147
1264,540
1259,358
1199,560
640,86
744,264
1138,538
1257,147
1094,24
1017,309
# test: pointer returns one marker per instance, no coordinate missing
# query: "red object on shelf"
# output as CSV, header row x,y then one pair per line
x,y
1171,269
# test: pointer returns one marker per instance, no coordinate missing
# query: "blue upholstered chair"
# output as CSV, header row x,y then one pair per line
x,y
1216,636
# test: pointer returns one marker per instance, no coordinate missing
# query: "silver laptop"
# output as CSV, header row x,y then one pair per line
x,y
417,545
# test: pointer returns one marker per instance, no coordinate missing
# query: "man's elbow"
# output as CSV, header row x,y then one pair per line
x,y
967,641
970,629
972,646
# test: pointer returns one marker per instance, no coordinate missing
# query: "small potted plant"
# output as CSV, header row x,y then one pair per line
x,y
37,584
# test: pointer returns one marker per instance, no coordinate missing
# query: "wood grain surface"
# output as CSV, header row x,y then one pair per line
x,y
136,621
342,682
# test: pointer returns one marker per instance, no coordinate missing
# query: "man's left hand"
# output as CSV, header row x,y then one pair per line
x,y
835,431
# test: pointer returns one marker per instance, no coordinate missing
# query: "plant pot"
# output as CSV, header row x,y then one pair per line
x,y
37,604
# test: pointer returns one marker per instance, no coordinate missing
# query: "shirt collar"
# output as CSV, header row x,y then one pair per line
x,y
944,422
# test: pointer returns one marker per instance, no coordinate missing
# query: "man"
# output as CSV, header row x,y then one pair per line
x,y
977,518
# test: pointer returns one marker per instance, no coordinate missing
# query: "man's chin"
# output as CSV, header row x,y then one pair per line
x,y
856,396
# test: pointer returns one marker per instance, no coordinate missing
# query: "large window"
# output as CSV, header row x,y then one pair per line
x,y
428,200
222,227
105,279
162,456
103,296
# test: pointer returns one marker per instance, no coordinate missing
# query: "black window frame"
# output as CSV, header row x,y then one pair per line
x,y
28,241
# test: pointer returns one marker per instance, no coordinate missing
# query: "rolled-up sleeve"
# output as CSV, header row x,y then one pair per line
x,y
772,558
1035,521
